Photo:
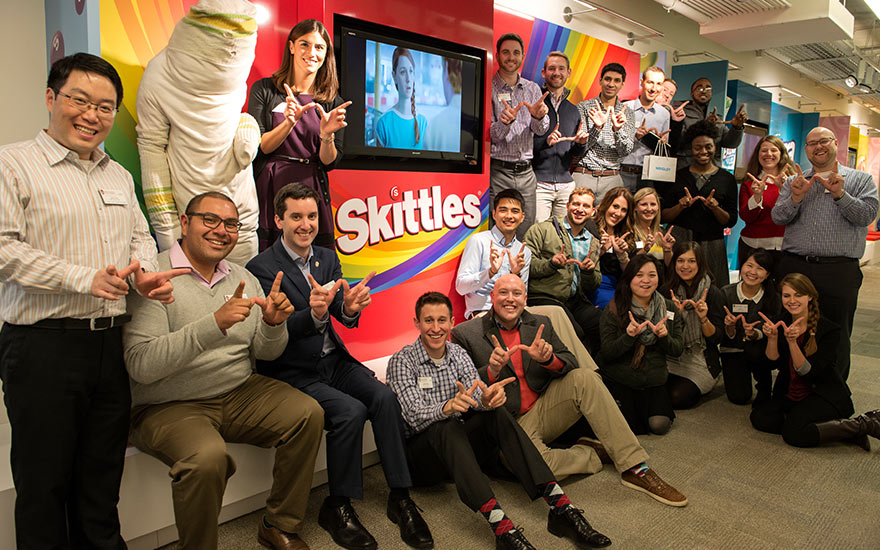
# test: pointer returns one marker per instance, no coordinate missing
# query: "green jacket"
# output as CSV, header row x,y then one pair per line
x,y
618,348
549,279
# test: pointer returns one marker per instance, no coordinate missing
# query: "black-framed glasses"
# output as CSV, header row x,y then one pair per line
x,y
824,141
211,221
84,105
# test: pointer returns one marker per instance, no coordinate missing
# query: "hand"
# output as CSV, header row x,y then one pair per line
x,y
664,136
619,244
463,400
560,258
688,200
618,119
757,187
581,136
107,284
701,307
155,285
235,310
730,319
518,262
494,396
276,307
834,183
769,328
605,243
648,243
641,130
667,241
749,329
508,115
539,108
678,113
599,116
555,136
709,201
739,119
293,111
660,329
332,120
320,298
588,264
540,350
356,298
712,118
634,328
800,185
499,357
793,331
495,259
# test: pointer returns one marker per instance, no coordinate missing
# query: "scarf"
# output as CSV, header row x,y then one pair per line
x,y
655,312
692,333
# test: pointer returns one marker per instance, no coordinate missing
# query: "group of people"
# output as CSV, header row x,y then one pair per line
x,y
99,346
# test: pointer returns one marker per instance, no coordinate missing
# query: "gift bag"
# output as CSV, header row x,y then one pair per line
x,y
659,166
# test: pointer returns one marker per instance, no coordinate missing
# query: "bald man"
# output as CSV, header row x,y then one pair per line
x,y
826,211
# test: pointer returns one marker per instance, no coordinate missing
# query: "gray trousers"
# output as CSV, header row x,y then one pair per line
x,y
599,184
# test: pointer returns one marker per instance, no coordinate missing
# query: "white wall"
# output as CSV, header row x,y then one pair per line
x,y
23,43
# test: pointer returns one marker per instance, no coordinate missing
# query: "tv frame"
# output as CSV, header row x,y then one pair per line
x,y
359,156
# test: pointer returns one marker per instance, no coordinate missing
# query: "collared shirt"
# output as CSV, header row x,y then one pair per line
x,y
423,387
822,226
580,247
513,142
605,147
61,223
654,117
178,260
473,281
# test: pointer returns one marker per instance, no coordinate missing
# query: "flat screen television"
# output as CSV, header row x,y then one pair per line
x,y
417,101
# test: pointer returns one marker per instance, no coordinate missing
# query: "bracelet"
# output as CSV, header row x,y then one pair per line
x,y
329,139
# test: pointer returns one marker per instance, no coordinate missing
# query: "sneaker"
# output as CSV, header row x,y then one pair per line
x,y
569,522
652,485
513,540
598,447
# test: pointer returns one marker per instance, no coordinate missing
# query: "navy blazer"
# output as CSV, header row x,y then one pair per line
x,y
300,360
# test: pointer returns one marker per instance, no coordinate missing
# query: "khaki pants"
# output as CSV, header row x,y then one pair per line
x,y
191,436
581,392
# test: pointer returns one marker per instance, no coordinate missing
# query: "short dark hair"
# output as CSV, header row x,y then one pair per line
x,y
697,129
512,194
194,202
508,36
87,63
616,67
295,191
432,297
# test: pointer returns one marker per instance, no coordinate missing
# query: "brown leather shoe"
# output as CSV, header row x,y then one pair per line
x,y
272,537
598,447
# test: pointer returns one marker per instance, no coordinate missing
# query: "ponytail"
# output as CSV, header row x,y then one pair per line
x,y
415,116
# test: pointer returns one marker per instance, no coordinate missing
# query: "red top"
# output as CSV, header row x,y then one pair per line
x,y
759,224
798,388
527,396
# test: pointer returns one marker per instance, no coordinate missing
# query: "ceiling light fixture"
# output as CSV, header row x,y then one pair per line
x,y
851,81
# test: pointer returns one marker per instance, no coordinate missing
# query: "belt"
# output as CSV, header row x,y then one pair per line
x,y
823,259
631,168
101,323
290,159
520,166
595,173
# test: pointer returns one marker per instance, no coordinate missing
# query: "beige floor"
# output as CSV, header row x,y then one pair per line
x,y
747,490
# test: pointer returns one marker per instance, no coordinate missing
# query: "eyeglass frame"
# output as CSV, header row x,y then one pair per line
x,y
226,223
822,141
705,88
73,101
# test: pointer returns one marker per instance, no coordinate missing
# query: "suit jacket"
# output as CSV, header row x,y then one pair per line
x,y
475,336
299,361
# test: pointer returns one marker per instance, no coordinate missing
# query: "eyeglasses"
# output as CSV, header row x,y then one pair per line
x,y
703,89
83,104
824,141
211,221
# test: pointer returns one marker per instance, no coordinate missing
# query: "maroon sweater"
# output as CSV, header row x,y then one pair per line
x,y
759,224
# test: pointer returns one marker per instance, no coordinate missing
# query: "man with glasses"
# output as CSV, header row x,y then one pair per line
x,y
826,212
698,109
73,242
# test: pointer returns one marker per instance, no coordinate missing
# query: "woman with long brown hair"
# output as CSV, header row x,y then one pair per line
x,y
811,403
401,126
301,119
614,220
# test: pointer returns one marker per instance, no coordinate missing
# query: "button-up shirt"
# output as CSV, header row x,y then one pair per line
x,y
473,281
423,387
513,142
580,247
177,258
62,221
605,147
822,226
654,117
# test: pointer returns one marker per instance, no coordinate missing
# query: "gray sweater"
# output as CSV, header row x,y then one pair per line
x,y
177,352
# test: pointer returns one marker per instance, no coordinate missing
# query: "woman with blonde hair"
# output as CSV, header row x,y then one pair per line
x,y
301,119
767,170
614,220
811,403
649,235
401,127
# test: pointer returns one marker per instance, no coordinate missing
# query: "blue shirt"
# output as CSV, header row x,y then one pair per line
x,y
580,247
396,132
473,281
655,117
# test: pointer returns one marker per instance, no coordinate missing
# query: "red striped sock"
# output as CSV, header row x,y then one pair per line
x,y
498,520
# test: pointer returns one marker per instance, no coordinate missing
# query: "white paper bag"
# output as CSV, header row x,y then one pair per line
x,y
659,166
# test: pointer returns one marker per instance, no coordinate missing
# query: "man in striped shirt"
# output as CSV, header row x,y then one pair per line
x,y
73,241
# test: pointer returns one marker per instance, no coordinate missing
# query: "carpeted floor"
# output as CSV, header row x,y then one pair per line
x,y
747,490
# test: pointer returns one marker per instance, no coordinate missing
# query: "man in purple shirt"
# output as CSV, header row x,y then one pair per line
x,y
518,113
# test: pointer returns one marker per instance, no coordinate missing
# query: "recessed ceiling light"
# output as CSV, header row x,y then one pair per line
x,y
851,81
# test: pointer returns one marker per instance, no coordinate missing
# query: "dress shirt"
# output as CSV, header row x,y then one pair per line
x,y
513,142
422,403
605,147
822,226
473,281
654,117
178,260
580,248
61,221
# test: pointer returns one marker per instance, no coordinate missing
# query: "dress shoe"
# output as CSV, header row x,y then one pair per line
x,y
513,540
571,524
345,528
272,537
413,530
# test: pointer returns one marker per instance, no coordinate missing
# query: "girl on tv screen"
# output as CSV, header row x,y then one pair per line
x,y
401,127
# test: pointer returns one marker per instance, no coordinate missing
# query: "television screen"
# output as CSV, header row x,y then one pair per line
x,y
421,99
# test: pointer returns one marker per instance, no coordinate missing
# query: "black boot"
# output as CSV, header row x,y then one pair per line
x,y
855,430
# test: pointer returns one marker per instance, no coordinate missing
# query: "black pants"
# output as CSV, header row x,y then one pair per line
x,y
795,420
461,448
838,285
583,315
639,404
738,369
68,399
350,394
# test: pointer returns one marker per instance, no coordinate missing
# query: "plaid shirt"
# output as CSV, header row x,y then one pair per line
x,y
580,247
513,142
606,147
423,406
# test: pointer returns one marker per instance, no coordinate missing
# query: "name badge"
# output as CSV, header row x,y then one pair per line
x,y
112,196
670,315
226,297
505,96
740,308
640,244
328,286
426,382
